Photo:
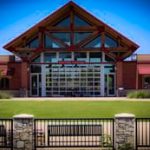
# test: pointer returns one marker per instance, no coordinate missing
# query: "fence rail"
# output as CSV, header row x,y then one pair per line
x,y
6,133
142,133
74,133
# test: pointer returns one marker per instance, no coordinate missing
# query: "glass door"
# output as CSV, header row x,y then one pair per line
x,y
35,84
109,84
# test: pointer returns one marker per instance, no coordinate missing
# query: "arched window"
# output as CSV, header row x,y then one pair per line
x,y
4,83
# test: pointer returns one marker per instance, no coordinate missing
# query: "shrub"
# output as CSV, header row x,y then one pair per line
x,y
5,95
139,94
126,146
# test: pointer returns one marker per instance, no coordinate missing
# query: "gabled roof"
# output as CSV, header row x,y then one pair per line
x,y
49,20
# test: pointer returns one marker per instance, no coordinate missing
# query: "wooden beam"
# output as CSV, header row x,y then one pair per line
x,y
41,37
76,29
72,27
103,39
37,51
24,49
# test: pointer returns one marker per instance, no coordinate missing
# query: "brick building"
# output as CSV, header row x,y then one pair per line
x,y
72,53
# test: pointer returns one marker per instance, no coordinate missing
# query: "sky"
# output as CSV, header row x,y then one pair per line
x,y
129,17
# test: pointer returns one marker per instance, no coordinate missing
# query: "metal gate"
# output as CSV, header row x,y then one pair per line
x,y
52,133
142,133
6,134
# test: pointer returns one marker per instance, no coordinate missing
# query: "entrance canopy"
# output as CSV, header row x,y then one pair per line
x,y
144,69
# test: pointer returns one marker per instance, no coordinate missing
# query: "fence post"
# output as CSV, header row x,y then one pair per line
x,y
124,131
23,132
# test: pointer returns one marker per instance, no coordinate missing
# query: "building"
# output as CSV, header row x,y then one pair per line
x,y
72,53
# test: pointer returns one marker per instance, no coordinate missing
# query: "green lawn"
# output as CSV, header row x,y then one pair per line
x,y
74,109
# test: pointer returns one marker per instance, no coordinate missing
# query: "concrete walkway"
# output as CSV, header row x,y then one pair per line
x,y
75,99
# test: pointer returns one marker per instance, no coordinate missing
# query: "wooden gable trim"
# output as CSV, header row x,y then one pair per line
x,y
72,8
91,18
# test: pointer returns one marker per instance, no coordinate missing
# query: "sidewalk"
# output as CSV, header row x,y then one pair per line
x,y
75,99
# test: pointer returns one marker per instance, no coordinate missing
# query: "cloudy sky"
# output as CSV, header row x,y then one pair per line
x,y
129,17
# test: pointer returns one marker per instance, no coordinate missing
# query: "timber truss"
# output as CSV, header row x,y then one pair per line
x,y
68,21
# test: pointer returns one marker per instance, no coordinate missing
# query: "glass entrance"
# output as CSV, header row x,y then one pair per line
x,y
35,88
73,80
109,84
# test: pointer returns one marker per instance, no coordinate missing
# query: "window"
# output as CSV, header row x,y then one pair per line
x,y
146,83
50,57
51,44
108,59
80,56
37,60
80,22
79,36
33,43
109,69
95,57
65,56
94,43
35,69
110,42
63,23
4,83
65,37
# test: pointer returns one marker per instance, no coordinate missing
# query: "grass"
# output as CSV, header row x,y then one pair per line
x,y
74,109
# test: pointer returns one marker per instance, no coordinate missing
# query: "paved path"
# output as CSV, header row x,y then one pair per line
x,y
76,99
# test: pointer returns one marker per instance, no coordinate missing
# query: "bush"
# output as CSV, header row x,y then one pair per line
x,y
139,94
126,146
5,95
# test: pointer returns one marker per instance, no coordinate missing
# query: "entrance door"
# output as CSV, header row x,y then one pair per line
x,y
109,84
35,84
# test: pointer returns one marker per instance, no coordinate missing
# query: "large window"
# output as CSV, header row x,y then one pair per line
x,y
109,69
4,83
64,23
96,43
35,69
108,59
80,56
65,37
37,59
95,57
110,42
51,44
79,36
80,22
50,57
65,56
33,43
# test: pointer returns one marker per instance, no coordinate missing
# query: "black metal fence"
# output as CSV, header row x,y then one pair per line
x,y
53,133
74,133
6,133
142,133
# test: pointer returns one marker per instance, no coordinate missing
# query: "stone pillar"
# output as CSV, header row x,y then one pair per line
x,y
124,131
23,132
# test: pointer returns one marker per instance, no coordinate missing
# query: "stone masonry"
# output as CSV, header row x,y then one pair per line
x,y
23,132
124,131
